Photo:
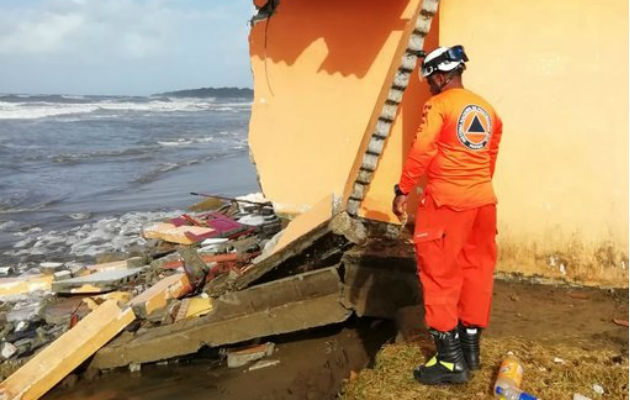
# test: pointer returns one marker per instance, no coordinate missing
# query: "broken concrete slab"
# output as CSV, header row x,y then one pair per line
x,y
25,310
349,227
98,282
7,350
63,274
238,358
291,304
301,232
53,363
133,262
50,268
158,295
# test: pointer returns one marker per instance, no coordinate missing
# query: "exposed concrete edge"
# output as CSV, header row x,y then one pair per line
x,y
268,264
291,304
97,282
351,228
329,206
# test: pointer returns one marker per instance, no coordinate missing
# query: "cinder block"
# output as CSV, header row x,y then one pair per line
x,y
370,162
364,176
376,145
430,7
389,110
409,61
423,24
402,78
395,95
358,191
382,128
353,207
416,41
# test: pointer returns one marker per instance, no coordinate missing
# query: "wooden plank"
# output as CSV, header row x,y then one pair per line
x,y
157,296
61,357
22,285
286,305
175,234
121,298
193,307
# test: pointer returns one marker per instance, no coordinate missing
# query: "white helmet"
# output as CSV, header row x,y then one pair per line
x,y
443,59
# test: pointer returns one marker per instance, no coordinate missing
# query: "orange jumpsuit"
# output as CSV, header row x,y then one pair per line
x,y
456,148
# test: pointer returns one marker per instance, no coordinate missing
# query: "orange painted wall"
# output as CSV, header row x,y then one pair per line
x,y
319,68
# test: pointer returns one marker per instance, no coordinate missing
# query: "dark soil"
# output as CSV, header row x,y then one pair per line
x,y
314,364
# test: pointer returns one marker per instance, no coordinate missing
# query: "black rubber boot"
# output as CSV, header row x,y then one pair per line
x,y
448,365
469,337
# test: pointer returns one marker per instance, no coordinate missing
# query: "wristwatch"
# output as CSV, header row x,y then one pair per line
x,y
398,192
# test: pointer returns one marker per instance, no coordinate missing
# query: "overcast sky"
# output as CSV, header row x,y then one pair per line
x,y
135,47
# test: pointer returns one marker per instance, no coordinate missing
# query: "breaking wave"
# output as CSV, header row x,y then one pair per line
x,y
73,158
112,234
35,107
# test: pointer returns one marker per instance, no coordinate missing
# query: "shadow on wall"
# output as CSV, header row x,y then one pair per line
x,y
350,53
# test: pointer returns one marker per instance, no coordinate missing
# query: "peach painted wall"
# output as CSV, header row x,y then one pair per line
x,y
557,73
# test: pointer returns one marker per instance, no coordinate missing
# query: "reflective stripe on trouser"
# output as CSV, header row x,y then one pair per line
x,y
456,253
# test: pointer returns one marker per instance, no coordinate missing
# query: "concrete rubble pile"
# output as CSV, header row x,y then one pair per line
x,y
221,275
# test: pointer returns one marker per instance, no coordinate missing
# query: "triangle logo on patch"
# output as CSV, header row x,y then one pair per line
x,y
475,126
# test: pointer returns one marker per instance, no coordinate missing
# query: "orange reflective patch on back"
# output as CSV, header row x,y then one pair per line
x,y
474,127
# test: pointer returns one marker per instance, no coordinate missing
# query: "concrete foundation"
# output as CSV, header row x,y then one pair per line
x,y
287,305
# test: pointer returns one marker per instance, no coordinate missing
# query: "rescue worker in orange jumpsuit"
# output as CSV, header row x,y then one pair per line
x,y
456,148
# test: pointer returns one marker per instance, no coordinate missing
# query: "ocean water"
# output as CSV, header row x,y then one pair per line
x,y
80,175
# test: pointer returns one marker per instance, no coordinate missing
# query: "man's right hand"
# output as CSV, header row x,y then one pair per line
x,y
399,206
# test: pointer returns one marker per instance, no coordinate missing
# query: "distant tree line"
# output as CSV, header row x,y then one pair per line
x,y
210,92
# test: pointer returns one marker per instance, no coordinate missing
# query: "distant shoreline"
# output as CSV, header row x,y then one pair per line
x,y
210,92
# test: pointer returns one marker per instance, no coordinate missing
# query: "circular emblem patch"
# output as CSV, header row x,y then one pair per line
x,y
474,127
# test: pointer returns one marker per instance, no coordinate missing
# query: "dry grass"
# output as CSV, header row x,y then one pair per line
x,y
391,377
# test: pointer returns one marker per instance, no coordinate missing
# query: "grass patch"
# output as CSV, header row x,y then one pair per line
x,y
391,377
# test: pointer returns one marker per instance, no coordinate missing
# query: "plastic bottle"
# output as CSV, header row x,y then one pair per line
x,y
509,380
513,394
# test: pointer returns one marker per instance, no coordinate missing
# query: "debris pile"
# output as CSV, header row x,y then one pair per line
x,y
227,272
164,286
